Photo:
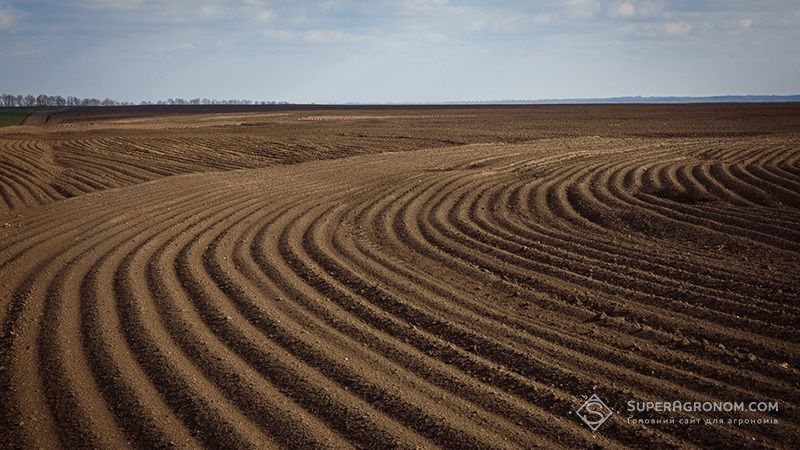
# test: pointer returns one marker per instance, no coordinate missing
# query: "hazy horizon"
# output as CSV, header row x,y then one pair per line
x,y
402,51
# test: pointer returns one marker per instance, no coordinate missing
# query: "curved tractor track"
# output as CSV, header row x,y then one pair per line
x,y
468,297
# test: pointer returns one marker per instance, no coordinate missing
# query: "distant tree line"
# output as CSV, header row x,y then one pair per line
x,y
28,101
43,100
209,101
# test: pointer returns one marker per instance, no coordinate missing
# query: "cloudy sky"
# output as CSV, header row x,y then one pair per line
x,y
398,50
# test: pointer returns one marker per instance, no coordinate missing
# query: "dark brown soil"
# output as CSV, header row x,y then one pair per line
x,y
375,277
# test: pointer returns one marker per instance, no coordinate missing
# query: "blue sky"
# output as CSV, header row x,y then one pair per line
x,y
398,50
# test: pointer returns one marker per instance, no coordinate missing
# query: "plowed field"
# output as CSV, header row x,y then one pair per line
x,y
406,277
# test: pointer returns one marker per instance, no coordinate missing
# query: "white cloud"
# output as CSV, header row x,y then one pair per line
x,y
422,4
7,19
164,49
502,23
640,8
112,4
650,8
257,11
625,10
583,9
210,11
677,28
315,37
264,15
327,36
660,30
286,36
544,19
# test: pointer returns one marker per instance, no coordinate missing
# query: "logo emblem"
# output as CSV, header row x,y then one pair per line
x,y
594,412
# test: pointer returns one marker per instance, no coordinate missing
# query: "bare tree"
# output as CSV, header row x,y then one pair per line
x,y
43,100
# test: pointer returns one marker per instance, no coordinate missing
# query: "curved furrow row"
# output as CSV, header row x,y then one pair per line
x,y
513,361
465,297
25,174
339,280
505,268
725,309
531,235
390,301
515,265
424,419
23,377
745,381
69,309
495,212
449,190
531,247
261,354
580,204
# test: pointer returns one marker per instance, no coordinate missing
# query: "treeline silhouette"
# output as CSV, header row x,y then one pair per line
x,y
44,100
